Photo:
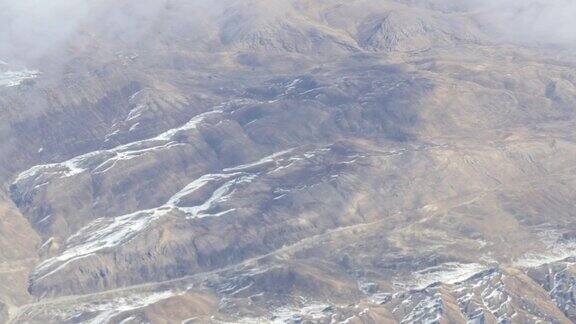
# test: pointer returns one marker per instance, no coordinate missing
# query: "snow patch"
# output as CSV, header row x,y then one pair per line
x,y
448,273
558,250
269,159
428,310
10,78
220,194
64,169
314,313
103,233
107,311
102,161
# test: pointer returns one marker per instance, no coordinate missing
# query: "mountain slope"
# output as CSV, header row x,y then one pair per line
x,y
283,161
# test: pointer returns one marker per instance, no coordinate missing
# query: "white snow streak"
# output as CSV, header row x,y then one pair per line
x,y
448,273
10,78
103,233
106,159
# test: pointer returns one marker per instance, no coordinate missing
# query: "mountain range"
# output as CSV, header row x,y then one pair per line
x,y
286,161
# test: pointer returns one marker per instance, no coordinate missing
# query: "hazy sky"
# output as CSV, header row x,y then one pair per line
x,y
541,21
29,28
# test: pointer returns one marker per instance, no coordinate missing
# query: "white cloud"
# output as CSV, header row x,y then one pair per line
x,y
530,21
31,27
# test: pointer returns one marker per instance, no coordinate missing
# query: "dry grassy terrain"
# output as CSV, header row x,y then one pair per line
x,y
288,161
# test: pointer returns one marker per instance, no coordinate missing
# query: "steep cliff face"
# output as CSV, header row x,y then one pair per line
x,y
287,161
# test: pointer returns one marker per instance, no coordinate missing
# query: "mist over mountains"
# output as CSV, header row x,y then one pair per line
x,y
31,28
531,22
